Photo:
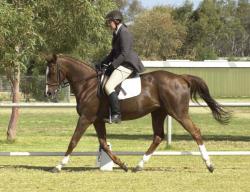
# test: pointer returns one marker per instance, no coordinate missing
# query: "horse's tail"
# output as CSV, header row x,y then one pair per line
x,y
197,85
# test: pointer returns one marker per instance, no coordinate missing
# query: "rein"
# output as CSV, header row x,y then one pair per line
x,y
58,79
98,74
64,83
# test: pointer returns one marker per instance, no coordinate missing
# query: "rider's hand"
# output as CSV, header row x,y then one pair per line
x,y
110,67
102,66
98,66
109,70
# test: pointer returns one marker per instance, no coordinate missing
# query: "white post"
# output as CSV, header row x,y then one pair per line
x,y
169,130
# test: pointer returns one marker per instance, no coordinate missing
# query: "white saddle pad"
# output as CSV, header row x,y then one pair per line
x,y
130,88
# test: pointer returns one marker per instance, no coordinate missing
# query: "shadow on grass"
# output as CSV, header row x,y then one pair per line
x,y
94,169
178,137
7,142
214,137
48,169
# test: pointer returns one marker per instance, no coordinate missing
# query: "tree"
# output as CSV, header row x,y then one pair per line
x,y
215,29
18,40
203,28
243,13
75,27
157,35
182,15
129,8
122,4
134,8
232,37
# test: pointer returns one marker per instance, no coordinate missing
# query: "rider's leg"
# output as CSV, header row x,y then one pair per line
x,y
104,81
118,75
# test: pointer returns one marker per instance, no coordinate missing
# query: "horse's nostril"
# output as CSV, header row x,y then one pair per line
x,y
48,93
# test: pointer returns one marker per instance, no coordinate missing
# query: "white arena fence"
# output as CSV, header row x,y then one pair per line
x,y
130,153
197,64
126,153
152,64
70,105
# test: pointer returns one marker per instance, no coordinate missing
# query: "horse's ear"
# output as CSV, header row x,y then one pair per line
x,y
54,57
51,58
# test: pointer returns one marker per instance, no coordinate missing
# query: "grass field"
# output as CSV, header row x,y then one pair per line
x,y
51,130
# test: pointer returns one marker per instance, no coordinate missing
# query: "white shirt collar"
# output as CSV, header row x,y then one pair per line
x,y
118,27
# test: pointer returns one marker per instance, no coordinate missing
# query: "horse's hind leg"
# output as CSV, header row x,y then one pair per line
x,y
187,123
101,133
158,118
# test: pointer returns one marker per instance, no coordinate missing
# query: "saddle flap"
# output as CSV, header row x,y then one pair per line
x,y
130,88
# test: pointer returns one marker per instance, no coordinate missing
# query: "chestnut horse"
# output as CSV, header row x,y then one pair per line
x,y
163,93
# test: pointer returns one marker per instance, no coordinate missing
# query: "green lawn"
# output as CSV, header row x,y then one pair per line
x,y
51,130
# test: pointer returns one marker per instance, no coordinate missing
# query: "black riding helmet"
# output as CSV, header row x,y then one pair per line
x,y
114,15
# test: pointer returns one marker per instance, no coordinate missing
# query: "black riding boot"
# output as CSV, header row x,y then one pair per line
x,y
115,109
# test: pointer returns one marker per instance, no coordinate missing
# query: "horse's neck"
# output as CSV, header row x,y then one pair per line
x,y
77,74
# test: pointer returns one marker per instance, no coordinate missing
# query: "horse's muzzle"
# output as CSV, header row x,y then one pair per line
x,y
47,93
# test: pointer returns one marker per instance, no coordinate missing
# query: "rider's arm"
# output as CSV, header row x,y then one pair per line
x,y
109,58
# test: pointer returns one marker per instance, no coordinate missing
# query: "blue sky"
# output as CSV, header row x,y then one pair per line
x,y
151,3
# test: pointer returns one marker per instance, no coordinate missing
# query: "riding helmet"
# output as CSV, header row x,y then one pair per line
x,y
114,15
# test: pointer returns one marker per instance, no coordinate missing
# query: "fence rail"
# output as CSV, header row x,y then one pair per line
x,y
38,105
70,105
130,153
65,105
196,64
126,153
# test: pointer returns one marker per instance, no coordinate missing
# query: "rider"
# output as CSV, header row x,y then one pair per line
x,y
122,61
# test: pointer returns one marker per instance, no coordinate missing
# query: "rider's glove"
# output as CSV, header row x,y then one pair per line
x,y
98,66
101,66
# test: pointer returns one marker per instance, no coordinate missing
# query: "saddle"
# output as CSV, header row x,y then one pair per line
x,y
130,87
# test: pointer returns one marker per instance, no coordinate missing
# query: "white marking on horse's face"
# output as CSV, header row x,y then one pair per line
x,y
46,80
47,71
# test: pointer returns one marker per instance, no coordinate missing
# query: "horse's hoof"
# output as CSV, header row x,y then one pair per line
x,y
124,167
137,169
210,168
55,170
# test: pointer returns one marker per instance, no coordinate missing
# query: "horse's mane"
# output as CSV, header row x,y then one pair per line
x,y
78,61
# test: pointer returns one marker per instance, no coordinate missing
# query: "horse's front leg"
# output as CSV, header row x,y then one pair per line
x,y
81,127
101,133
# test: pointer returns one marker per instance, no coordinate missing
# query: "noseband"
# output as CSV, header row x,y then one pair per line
x,y
63,84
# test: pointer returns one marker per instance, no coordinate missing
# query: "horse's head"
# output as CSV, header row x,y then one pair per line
x,y
54,75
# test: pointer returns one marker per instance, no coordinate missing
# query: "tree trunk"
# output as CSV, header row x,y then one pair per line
x,y
11,132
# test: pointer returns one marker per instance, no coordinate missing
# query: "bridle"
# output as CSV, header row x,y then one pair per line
x,y
63,84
